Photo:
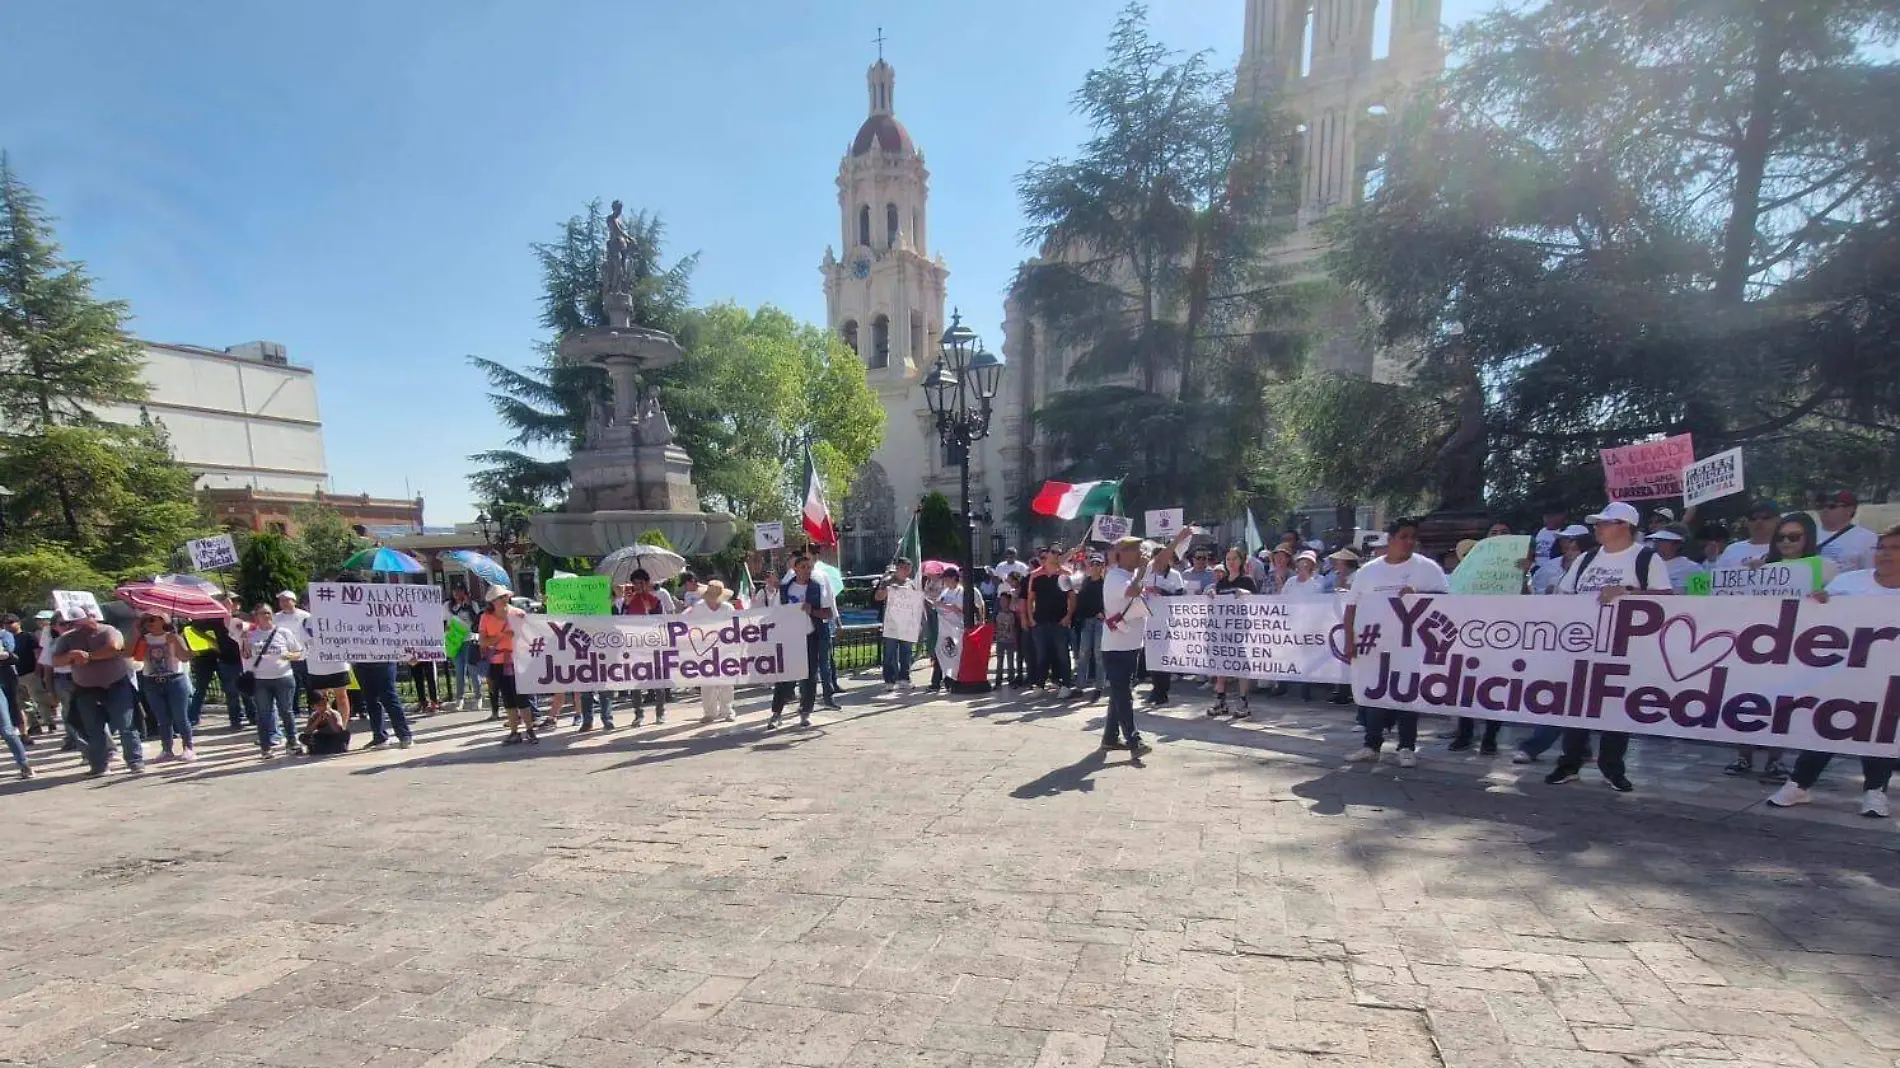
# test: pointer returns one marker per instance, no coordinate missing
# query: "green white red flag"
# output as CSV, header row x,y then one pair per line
x,y
1074,500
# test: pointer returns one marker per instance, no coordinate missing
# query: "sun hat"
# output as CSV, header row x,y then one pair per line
x,y
1344,556
1465,547
495,593
714,593
1308,555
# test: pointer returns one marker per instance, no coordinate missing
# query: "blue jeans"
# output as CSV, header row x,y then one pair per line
x,y
12,733
1088,658
591,698
381,701
896,660
468,673
111,706
276,711
238,706
827,671
1120,665
1052,654
170,701
1540,739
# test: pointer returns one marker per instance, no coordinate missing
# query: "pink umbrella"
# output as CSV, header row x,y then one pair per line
x,y
933,568
182,602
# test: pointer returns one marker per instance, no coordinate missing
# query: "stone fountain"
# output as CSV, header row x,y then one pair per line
x,y
628,477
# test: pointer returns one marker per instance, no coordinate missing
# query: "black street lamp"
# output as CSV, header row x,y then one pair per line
x,y
959,391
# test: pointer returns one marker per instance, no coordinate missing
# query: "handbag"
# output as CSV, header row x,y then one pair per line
x,y
247,680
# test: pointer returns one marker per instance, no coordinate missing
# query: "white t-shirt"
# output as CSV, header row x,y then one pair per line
x,y
1125,636
1741,554
1852,550
267,647
1301,589
1383,578
1602,568
1680,569
1546,542
1169,581
1548,574
1860,584
1010,569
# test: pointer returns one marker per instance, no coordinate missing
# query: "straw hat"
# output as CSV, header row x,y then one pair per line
x,y
1344,556
714,593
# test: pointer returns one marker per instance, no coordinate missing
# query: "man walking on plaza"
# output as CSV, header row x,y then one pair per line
x,y
102,688
1051,608
1401,572
810,595
1163,579
1616,567
1124,616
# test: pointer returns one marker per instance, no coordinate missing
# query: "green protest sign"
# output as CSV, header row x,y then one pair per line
x,y
584,595
455,637
1787,578
1496,565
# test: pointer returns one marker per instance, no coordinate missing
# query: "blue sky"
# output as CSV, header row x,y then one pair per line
x,y
360,179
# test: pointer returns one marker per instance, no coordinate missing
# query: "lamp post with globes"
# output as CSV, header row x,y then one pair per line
x,y
959,391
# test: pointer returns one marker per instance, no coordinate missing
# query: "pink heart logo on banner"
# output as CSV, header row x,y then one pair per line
x,y
703,640
1685,655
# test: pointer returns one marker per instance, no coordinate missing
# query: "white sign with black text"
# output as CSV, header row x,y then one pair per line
x,y
1165,523
212,554
1109,529
376,622
1716,476
768,535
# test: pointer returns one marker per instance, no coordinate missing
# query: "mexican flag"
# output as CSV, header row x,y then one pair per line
x,y
911,545
816,516
1070,500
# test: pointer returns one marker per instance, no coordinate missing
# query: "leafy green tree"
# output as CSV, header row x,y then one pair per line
x,y
938,529
1641,220
323,539
268,564
28,579
1153,271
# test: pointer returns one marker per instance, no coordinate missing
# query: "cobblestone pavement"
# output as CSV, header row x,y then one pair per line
x,y
946,883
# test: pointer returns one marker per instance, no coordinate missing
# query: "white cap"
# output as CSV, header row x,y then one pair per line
x,y
1663,535
496,593
1667,513
1616,512
281,594
1574,530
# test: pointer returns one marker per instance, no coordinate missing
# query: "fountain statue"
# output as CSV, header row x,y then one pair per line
x,y
628,476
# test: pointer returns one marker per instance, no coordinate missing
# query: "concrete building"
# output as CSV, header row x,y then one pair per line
x,y
241,417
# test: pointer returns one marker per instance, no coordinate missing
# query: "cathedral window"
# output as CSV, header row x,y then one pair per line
x,y
864,225
849,332
917,339
881,342
890,225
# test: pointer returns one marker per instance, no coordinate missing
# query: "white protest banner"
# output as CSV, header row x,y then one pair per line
x,y
1647,470
376,622
1788,578
1718,476
1164,523
1109,528
75,604
1244,636
904,613
768,535
212,554
562,654
1792,673
1496,566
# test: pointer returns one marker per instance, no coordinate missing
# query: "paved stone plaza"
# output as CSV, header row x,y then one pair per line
x,y
941,884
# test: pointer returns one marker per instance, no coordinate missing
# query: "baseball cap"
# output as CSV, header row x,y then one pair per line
x,y
1664,534
1574,530
1615,512
1845,498
1763,505
281,594
1666,513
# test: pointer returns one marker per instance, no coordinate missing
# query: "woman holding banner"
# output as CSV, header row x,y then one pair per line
x,y
1232,580
1883,580
1794,539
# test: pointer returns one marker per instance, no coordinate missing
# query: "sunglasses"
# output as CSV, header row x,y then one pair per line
x,y
1790,537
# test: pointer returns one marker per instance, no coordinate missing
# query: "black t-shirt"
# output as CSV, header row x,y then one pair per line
x,y
1088,599
1243,584
1052,601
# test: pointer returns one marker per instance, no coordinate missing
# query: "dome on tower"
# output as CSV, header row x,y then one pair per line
x,y
885,133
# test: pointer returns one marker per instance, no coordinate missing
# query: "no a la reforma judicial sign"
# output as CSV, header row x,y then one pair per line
x,y
1755,671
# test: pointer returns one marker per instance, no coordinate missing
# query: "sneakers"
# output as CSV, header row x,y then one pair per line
x,y
1563,775
1140,748
27,772
1740,767
1775,772
770,724
514,738
1408,758
1459,745
1873,804
405,743
268,752
1365,754
1114,745
1243,711
1620,783
1789,796
1065,693
533,738
804,722
188,754
1521,757
1220,705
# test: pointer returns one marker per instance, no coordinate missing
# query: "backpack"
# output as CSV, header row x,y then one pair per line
x,y
1643,557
